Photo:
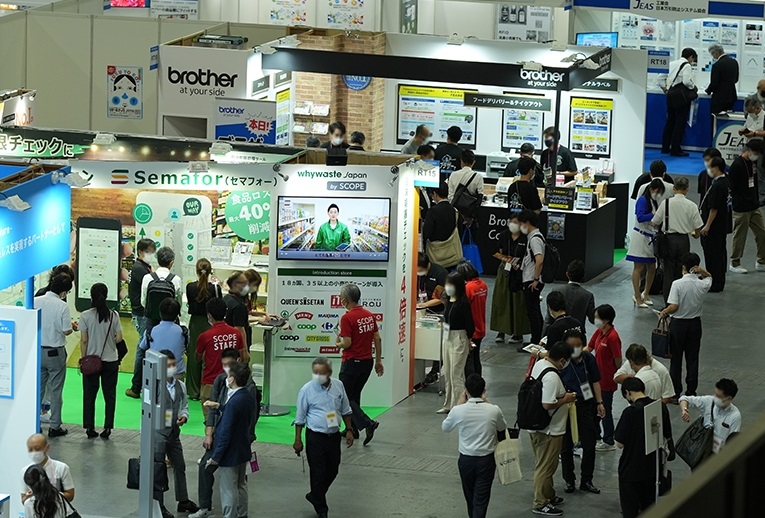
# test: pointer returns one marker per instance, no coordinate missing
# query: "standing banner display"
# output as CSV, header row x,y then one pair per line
x,y
727,138
245,121
283,117
124,92
590,127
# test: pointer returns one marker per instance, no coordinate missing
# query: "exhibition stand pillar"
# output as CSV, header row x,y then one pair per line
x,y
153,418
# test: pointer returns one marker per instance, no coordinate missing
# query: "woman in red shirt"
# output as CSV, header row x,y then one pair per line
x,y
477,292
607,347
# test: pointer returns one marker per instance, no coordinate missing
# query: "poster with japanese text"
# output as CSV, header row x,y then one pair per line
x,y
242,120
438,108
310,300
346,14
523,22
283,117
289,12
124,92
175,9
519,126
590,127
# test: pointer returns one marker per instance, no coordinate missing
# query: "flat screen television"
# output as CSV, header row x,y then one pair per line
x,y
598,39
333,229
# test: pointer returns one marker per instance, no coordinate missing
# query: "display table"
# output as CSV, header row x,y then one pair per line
x,y
587,235
428,341
266,408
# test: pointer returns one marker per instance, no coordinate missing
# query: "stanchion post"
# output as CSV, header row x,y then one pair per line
x,y
152,419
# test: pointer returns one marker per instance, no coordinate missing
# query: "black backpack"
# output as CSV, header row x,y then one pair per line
x,y
551,265
531,414
157,291
465,202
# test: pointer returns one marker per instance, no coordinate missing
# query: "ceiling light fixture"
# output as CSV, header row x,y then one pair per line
x,y
221,148
531,65
14,203
104,139
265,49
455,39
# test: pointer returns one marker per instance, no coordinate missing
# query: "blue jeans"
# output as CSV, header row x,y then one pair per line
x,y
140,322
608,420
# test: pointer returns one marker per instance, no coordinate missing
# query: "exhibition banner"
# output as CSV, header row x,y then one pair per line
x,y
356,15
590,127
124,92
312,297
283,117
175,9
439,108
289,12
243,120
727,139
523,22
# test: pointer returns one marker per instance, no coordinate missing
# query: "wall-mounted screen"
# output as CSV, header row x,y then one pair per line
x,y
438,108
333,229
598,39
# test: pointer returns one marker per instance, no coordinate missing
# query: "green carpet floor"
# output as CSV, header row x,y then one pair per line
x,y
619,254
276,430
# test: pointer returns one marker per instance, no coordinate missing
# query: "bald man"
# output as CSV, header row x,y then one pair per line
x,y
759,95
58,472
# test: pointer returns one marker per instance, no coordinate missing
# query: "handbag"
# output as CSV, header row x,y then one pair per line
x,y
695,444
122,350
661,241
679,94
92,364
74,513
160,475
465,202
507,458
660,340
446,253
470,250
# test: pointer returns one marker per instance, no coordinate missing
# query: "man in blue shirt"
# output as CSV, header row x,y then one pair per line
x,y
583,377
168,335
320,405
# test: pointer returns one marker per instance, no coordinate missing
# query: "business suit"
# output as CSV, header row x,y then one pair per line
x,y
232,452
580,303
722,84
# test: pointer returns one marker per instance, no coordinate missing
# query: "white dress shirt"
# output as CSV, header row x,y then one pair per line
x,y
56,319
688,293
684,215
727,420
667,389
685,75
755,121
478,423
651,381
463,176
668,192
162,273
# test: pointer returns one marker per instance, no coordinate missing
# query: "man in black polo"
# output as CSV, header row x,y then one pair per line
x,y
566,165
527,150
561,321
714,212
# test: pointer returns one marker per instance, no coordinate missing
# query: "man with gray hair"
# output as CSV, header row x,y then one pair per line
x,y
320,404
357,334
759,94
724,76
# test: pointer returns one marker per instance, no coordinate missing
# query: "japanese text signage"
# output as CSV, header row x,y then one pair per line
x,y
124,92
670,9
560,198
438,108
249,214
7,334
245,121
606,85
590,127
508,101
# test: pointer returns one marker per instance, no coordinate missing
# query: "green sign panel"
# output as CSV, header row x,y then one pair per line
x,y
142,213
249,214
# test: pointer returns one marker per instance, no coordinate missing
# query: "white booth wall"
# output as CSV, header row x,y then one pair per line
x,y
627,135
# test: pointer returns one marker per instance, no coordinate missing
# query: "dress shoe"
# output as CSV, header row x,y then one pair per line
x,y
129,393
570,487
322,515
91,433
166,513
680,153
589,488
371,432
57,432
106,433
187,506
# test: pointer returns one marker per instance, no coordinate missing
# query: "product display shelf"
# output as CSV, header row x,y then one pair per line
x,y
292,222
376,231
295,238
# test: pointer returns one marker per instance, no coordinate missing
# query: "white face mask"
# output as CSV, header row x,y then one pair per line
x,y
171,372
321,379
336,141
719,403
710,173
450,290
229,383
514,227
754,157
598,323
245,291
148,257
524,230
37,456
577,352
421,274
227,370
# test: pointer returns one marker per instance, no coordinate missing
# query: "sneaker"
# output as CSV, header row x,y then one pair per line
x,y
604,446
500,339
129,393
578,452
45,418
737,269
443,410
556,501
202,513
187,506
547,510
759,267
57,432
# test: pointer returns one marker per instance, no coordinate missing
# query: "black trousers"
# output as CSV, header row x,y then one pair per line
x,y
107,380
716,256
477,474
636,497
168,444
354,374
674,128
533,310
587,419
685,339
323,452
679,245
473,364
205,482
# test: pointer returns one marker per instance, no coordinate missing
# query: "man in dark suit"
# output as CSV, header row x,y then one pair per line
x,y
232,443
580,302
724,76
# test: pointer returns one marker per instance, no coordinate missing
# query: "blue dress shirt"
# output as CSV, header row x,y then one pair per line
x,y
168,335
315,401
577,372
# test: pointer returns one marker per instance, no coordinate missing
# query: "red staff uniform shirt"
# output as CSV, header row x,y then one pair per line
x,y
607,348
211,344
360,326
477,292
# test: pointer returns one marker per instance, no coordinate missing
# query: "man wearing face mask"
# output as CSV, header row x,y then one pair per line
x,y
322,405
531,268
722,83
336,145
212,343
637,471
59,474
704,178
719,412
566,165
744,193
168,439
420,138
759,94
714,212
561,321
144,254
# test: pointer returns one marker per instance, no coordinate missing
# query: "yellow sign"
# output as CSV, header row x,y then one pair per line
x,y
283,96
440,93
592,104
318,339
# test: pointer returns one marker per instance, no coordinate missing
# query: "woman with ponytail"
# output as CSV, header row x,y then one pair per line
x,y
46,501
100,330
197,295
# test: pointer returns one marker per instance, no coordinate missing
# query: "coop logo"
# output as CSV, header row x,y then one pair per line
x,y
289,338
230,110
334,302
329,350
317,339
298,349
541,75
200,77
302,302
327,327
307,326
372,303
303,315
328,315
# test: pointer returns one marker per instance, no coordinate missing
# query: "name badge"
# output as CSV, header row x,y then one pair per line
x,y
751,182
332,421
168,418
446,328
586,391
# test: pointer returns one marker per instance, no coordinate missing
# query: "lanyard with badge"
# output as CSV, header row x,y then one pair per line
x,y
750,173
584,386
333,420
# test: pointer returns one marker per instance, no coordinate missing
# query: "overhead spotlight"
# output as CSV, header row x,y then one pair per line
x,y
220,148
455,39
14,203
573,58
72,179
265,49
393,181
283,176
531,65
589,64
32,95
104,139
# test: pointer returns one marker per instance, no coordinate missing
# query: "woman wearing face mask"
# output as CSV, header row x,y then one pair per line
x,y
46,501
508,307
197,295
336,143
100,330
237,315
642,237
458,328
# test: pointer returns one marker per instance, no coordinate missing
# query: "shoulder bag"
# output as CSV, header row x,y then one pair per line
x,y
695,444
71,512
446,253
92,364
465,202
661,241
679,94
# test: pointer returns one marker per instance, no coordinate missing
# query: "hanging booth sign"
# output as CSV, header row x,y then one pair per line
x,y
124,92
245,120
658,61
590,127
439,108
357,82
599,84
523,102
